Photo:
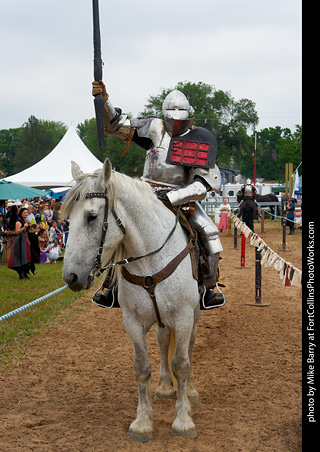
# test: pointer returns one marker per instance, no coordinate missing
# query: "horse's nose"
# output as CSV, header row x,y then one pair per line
x,y
72,278
73,281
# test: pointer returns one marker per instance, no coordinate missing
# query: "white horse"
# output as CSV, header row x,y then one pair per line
x,y
147,223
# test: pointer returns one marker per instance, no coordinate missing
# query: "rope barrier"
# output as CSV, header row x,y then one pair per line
x,y
10,314
279,216
289,274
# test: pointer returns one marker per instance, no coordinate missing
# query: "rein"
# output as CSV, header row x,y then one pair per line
x,y
147,282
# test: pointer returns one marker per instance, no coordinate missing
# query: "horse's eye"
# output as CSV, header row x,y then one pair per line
x,y
91,217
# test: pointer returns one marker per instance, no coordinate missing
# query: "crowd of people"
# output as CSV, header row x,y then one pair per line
x,y
37,231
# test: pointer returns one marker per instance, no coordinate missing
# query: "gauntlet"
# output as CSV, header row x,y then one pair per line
x,y
99,87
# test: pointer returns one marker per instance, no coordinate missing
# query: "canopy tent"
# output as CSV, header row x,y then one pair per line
x,y
54,170
10,190
56,195
282,188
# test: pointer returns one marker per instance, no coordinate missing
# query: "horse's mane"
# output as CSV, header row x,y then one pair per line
x,y
87,183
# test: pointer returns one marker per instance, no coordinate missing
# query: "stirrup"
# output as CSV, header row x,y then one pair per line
x,y
219,303
103,301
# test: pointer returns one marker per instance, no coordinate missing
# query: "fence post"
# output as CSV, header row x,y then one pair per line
x,y
243,253
284,233
262,220
243,250
258,278
229,227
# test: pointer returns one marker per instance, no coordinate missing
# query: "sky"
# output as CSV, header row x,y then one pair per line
x,y
251,48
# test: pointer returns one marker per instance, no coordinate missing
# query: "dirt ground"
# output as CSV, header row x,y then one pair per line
x,y
74,388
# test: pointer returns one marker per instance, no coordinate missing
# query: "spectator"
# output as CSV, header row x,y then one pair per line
x,y
30,218
54,230
2,236
12,217
53,250
56,211
291,207
34,246
37,213
56,217
3,211
224,215
43,243
44,223
21,253
65,228
47,212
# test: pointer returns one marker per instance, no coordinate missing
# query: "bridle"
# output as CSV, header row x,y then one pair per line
x,y
97,263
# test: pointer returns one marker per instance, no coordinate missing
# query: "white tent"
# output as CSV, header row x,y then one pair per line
x,y
54,170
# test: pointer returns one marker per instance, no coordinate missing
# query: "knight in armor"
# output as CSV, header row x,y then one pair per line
x,y
180,158
248,190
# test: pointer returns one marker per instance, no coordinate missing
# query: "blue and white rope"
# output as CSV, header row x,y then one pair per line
x,y
10,314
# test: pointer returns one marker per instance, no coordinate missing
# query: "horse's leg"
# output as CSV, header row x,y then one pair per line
x,y
141,427
183,424
165,389
192,392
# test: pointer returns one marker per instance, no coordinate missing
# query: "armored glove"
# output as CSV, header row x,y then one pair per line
x,y
99,87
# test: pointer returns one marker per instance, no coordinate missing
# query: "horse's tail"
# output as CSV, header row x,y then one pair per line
x,y
172,346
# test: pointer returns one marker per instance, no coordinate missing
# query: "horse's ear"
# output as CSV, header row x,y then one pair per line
x,y
106,171
75,170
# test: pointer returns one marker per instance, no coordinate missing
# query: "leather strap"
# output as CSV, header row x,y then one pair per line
x,y
149,282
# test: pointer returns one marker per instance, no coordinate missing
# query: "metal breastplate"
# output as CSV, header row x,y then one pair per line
x,y
156,168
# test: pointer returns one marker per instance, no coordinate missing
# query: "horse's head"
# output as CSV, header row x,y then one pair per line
x,y
88,209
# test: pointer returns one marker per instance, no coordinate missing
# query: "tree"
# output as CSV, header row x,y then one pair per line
x,y
9,142
275,148
36,139
290,149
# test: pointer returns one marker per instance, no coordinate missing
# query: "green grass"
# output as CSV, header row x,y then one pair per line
x,y
14,293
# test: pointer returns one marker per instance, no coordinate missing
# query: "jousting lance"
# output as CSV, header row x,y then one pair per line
x,y
97,72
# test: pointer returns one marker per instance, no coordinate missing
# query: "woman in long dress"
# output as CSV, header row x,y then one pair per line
x,y
224,215
21,252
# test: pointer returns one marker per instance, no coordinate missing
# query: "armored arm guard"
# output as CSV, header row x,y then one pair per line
x,y
115,123
211,177
196,191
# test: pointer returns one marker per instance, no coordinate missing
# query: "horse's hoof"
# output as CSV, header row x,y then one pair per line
x,y
193,398
139,437
170,394
193,395
191,434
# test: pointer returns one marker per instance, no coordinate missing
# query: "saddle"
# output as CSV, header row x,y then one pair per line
x,y
199,261
193,237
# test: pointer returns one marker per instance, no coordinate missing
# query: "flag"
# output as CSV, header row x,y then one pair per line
x,y
295,186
